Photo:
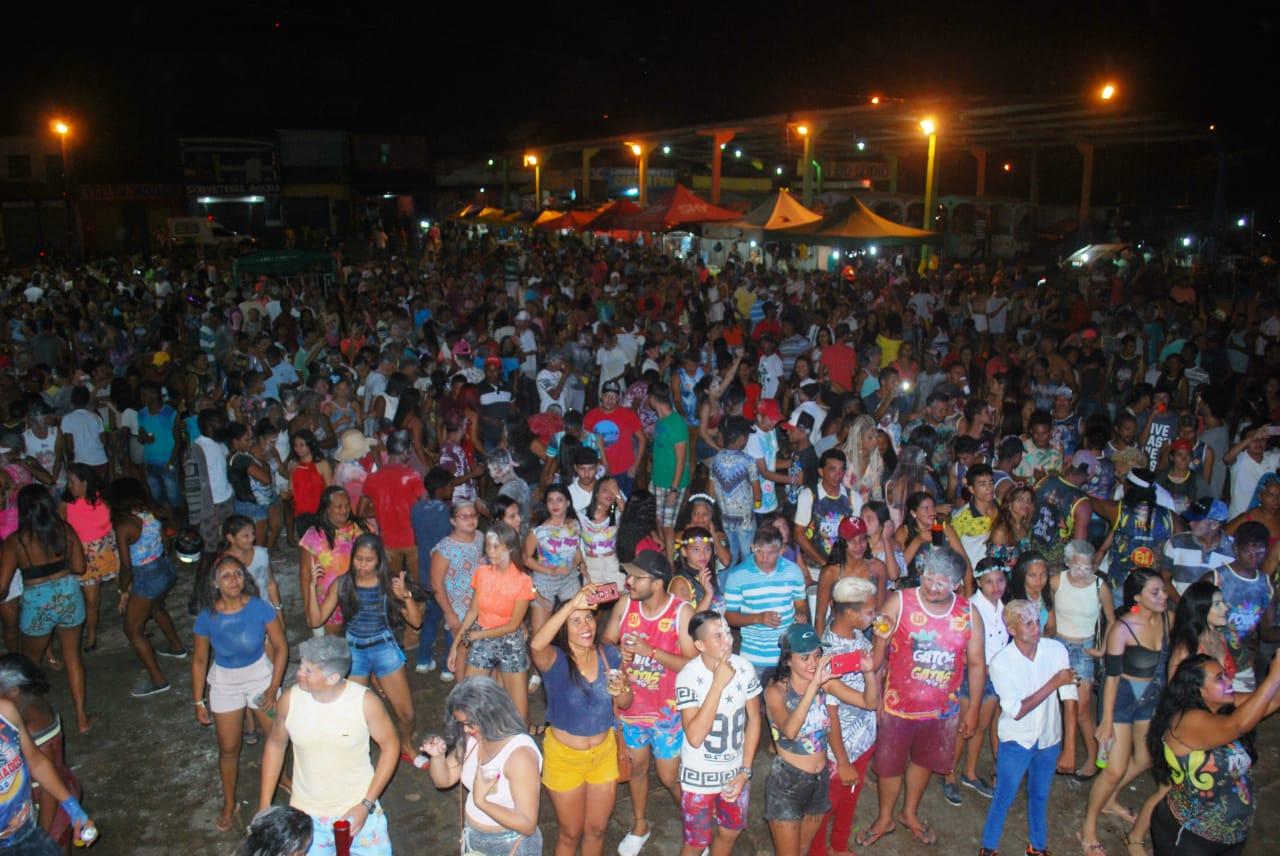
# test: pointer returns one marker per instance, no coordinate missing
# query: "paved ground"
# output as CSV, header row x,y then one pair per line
x,y
151,782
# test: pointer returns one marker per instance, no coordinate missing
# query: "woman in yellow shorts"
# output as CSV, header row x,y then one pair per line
x,y
583,680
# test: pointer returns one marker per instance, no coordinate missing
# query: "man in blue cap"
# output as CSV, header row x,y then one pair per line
x,y
1190,555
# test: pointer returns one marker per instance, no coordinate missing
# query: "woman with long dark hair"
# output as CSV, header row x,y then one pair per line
x,y
233,626
48,554
552,551
695,567
1030,581
599,526
376,606
918,532
584,680
85,508
493,635
1201,749
453,561
488,750
309,474
1135,655
146,575
1011,534
326,547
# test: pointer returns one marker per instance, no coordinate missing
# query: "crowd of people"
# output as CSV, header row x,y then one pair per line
x,y
875,524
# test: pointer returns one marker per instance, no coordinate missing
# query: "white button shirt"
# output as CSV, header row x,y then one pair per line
x,y
1016,679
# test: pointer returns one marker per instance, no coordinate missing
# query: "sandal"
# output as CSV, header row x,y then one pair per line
x,y
1093,848
866,837
923,833
249,738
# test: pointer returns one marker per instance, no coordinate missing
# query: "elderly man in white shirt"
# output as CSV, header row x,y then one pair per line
x,y
1031,675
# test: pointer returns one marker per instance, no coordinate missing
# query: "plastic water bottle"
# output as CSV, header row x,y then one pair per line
x,y
1104,753
87,836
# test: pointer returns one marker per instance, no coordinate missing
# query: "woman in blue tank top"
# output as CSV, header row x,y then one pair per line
x,y
377,606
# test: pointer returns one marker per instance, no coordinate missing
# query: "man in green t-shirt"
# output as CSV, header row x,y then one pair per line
x,y
670,477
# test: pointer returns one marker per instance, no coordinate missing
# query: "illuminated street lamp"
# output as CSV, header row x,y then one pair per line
x,y
930,128
641,151
532,160
63,129
1108,92
807,160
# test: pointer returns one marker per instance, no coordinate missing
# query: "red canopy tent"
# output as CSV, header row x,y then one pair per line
x,y
677,208
611,213
575,220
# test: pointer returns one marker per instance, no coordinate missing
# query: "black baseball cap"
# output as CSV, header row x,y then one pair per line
x,y
651,563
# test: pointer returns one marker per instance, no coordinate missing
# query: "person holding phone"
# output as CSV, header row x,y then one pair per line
x,y
1031,675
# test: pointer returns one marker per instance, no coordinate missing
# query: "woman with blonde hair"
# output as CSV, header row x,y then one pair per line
x,y
865,467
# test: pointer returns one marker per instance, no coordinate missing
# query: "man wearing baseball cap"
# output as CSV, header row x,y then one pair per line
x,y
763,447
389,494
1203,549
622,432
653,628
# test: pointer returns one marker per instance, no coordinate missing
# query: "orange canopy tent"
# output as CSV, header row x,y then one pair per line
x,y
575,220
680,207
779,211
857,222
610,215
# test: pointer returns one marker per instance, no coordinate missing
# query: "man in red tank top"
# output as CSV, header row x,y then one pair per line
x,y
925,638
653,627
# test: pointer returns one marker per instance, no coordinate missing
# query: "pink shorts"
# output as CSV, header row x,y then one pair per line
x,y
928,743
231,690
703,811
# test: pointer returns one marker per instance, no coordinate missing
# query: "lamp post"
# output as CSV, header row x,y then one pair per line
x,y
929,127
532,160
63,129
641,151
806,158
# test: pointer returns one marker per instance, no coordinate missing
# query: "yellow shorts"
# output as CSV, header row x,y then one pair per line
x,y
564,769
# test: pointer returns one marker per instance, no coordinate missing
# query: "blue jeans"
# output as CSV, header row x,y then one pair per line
x,y
740,538
626,483
1012,763
432,622
162,479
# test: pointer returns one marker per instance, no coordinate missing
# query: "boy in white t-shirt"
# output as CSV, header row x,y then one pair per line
x,y
84,432
718,697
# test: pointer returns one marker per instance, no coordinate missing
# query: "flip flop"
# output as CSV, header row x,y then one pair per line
x,y
923,834
1093,849
865,837
249,738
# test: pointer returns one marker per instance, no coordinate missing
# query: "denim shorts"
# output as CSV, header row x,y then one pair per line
x,y
154,579
1082,664
45,606
251,510
378,655
509,653
502,843
1136,700
988,690
792,794
556,587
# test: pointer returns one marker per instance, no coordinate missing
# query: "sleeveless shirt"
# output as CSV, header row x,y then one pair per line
x,y
926,659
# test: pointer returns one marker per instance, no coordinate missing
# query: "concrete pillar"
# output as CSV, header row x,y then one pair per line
x,y
892,159
587,154
719,137
981,156
1086,189
1035,176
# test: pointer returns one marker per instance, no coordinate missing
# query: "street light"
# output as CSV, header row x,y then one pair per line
x,y
862,145
806,197
640,150
666,150
1108,92
532,160
1007,167
929,127
63,129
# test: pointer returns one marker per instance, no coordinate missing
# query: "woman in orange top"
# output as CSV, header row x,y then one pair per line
x,y
493,629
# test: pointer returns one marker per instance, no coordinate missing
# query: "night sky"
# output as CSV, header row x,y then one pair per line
x,y
137,76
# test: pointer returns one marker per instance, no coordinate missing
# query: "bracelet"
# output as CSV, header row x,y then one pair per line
x,y
200,703
369,805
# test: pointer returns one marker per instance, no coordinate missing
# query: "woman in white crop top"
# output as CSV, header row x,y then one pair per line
x,y
498,763
1080,598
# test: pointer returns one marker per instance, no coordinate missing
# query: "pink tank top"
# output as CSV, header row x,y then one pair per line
x,y
91,522
653,685
926,659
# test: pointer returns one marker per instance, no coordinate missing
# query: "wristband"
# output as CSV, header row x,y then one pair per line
x,y
71,806
369,805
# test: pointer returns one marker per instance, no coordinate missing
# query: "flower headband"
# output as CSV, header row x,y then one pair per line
x,y
697,539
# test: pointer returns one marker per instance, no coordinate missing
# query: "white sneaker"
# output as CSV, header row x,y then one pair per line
x,y
534,682
446,676
632,844
424,668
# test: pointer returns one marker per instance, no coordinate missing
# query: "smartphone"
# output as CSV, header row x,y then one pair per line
x,y
843,664
603,594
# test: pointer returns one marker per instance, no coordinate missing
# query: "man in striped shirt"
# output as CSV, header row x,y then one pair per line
x,y
1190,555
764,596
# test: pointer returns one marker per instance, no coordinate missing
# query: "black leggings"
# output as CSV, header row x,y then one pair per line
x,y
1168,838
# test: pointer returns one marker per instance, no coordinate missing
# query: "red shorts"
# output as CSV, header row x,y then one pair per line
x,y
928,743
703,811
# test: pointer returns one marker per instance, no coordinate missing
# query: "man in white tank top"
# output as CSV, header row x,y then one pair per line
x,y
330,720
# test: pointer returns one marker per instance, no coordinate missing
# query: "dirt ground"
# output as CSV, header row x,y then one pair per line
x,y
151,783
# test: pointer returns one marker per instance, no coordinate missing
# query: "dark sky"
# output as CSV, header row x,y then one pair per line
x,y
135,76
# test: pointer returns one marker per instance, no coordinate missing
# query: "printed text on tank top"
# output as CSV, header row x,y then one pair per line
x,y
926,654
